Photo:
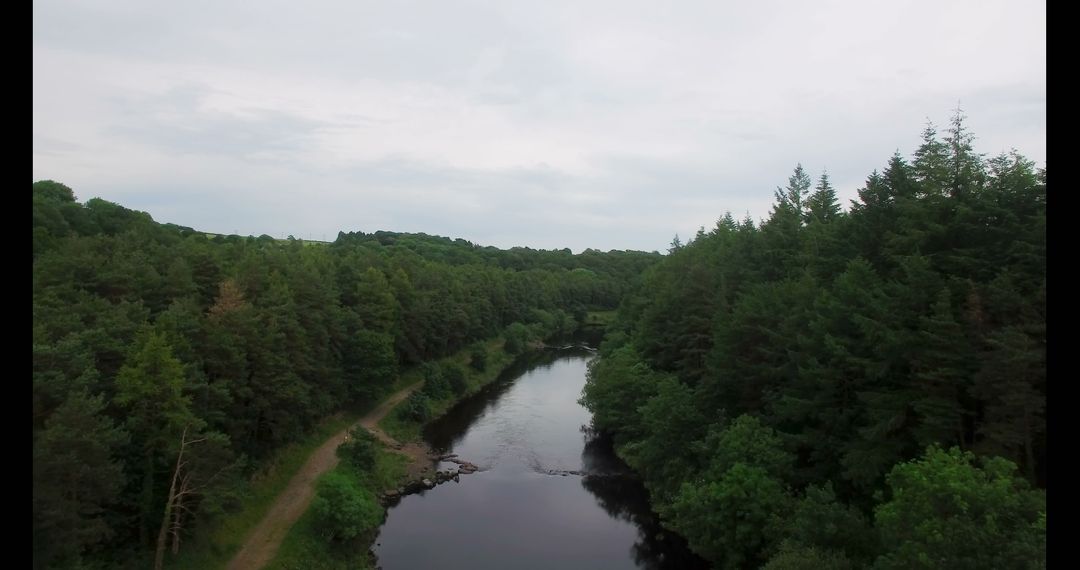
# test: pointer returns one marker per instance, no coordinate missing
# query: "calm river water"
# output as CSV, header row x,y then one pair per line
x,y
514,513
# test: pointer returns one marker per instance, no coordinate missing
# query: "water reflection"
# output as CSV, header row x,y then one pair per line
x,y
515,514
622,496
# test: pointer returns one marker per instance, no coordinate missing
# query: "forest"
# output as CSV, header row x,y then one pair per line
x,y
859,388
168,364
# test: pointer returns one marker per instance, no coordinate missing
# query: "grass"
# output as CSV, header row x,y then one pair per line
x,y
404,429
216,543
599,318
305,549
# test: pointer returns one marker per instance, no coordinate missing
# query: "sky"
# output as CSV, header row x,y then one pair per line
x,y
601,124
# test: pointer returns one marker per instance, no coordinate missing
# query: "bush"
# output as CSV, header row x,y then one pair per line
x,y
416,408
343,509
360,450
436,386
517,338
478,359
455,377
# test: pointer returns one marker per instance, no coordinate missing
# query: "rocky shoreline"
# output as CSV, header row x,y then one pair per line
x,y
391,496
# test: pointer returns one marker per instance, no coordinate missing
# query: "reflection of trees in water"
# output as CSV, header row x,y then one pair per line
x,y
623,497
598,456
445,432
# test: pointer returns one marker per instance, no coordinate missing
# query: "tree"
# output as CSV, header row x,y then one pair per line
x,y
436,386
478,358
517,338
150,387
964,166
746,440
942,371
369,364
931,163
946,510
1009,384
195,471
76,478
807,558
820,521
344,509
822,206
376,305
54,191
616,388
672,422
797,190
726,520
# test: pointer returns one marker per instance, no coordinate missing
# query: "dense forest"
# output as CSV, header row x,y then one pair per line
x,y
848,389
167,364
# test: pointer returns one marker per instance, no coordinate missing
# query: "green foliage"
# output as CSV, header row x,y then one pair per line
x,y
948,510
617,386
416,408
455,377
749,442
843,343
343,509
478,358
76,478
370,364
517,338
255,339
726,520
151,385
820,521
360,450
853,339
436,385
808,558
670,422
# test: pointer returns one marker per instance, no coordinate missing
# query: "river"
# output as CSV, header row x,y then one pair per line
x,y
522,509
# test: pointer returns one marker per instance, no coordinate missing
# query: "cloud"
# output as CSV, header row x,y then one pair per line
x,y
607,124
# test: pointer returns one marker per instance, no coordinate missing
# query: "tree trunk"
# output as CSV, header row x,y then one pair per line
x,y
159,553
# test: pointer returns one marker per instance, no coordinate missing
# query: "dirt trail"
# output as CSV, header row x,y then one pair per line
x,y
262,544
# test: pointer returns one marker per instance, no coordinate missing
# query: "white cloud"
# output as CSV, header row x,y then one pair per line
x,y
608,125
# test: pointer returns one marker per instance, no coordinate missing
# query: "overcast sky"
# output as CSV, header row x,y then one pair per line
x,y
611,125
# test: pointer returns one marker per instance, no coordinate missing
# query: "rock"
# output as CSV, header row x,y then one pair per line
x,y
427,483
391,493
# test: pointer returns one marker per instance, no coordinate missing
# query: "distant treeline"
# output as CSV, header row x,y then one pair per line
x,y
836,389
152,339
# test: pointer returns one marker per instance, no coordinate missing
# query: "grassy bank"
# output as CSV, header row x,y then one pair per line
x,y
398,426
216,542
306,547
599,318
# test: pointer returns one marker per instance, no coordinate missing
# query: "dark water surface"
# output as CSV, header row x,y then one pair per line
x,y
514,513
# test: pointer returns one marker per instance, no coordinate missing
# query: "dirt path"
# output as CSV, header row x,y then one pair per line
x,y
264,540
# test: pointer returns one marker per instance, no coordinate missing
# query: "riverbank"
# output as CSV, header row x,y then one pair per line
x,y
550,495
214,545
401,463
218,543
